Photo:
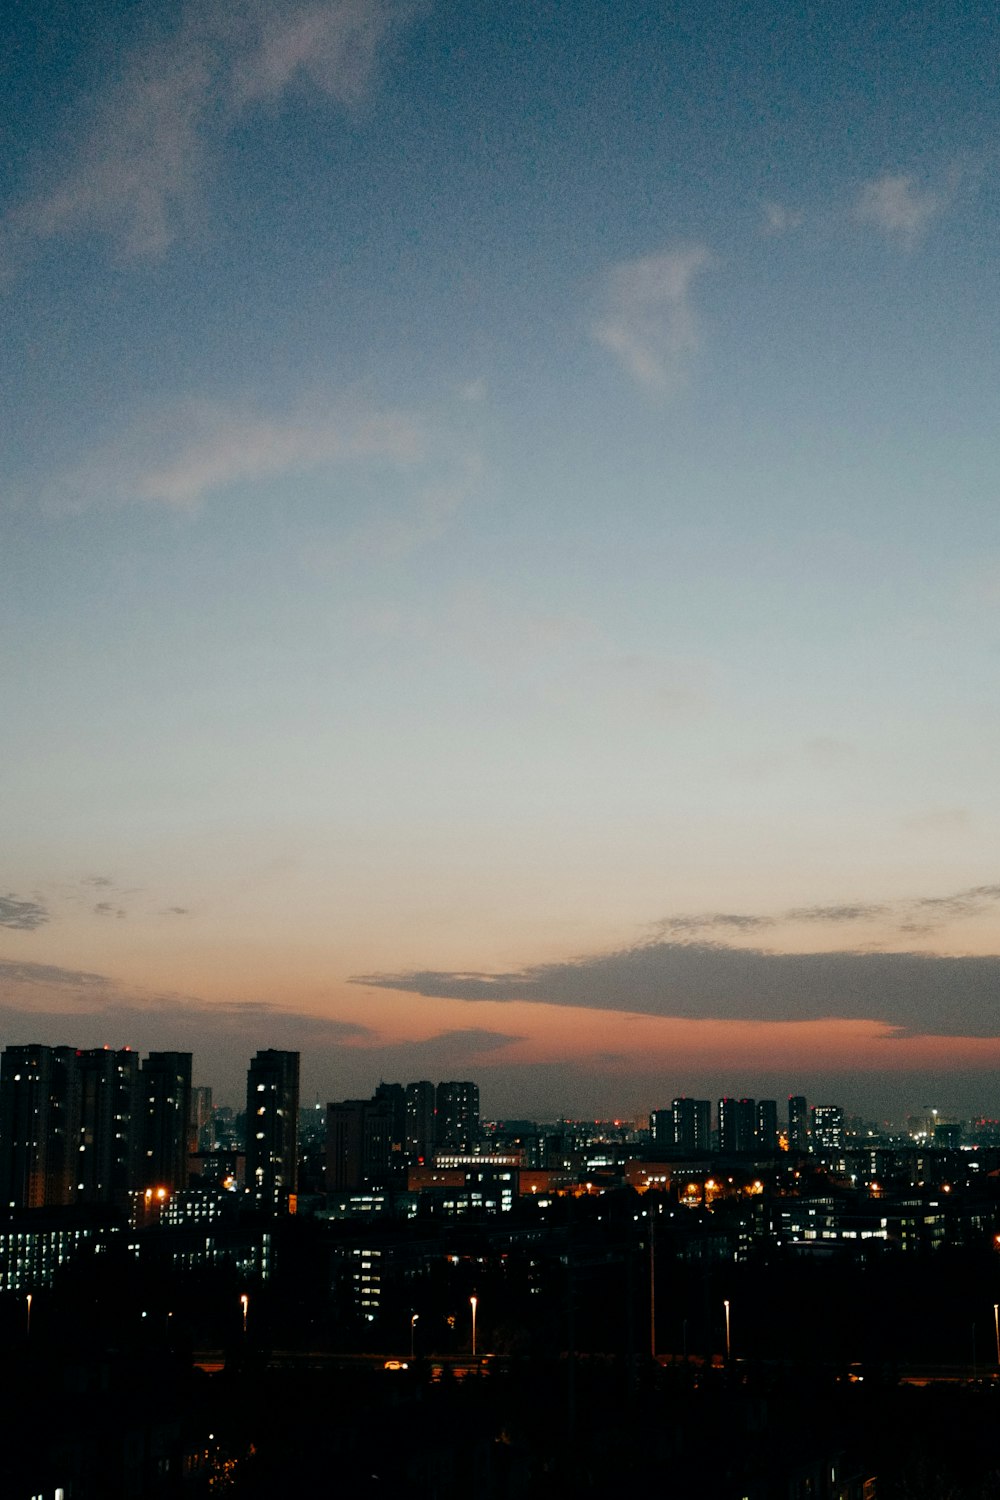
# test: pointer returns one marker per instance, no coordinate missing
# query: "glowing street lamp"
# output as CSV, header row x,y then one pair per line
x,y
244,1304
473,1303
413,1325
728,1345
996,1327
28,1328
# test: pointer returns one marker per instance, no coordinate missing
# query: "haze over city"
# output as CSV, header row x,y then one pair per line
x,y
500,566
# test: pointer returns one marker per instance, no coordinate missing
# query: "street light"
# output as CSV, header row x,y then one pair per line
x,y
726,1306
413,1324
244,1304
996,1327
474,1303
28,1328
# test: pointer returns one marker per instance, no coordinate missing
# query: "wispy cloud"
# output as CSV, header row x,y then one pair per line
x,y
648,320
21,914
15,971
898,205
194,449
146,146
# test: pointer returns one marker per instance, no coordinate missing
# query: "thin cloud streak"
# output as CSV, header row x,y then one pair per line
x,y
195,449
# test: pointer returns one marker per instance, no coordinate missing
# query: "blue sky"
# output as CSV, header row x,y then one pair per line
x,y
483,488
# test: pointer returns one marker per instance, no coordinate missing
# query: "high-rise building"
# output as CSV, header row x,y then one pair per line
x,y
661,1128
109,1129
272,1127
457,1119
692,1121
767,1125
201,1124
166,1082
827,1127
358,1144
419,1120
393,1096
798,1123
737,1124
39,1105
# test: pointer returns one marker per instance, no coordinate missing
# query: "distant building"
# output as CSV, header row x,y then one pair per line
x,y
692,1124
109,1126
201,1133
166,1082
420,1100
272,1127
798,1123
767,1125
393,1096
827,1127
457,1119
661,1127
737,1125
358,1144
39,1110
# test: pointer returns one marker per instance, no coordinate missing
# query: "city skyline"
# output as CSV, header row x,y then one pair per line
x,y
500,559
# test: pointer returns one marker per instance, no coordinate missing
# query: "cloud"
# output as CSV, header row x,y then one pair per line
x,y
740,921
196,448
919,994
780,220
14,971
914,993
648,320
898,206
23,916
145,147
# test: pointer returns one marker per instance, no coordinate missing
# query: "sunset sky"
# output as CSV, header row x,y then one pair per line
x,y
500,545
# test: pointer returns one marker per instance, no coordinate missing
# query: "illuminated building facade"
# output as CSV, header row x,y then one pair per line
x,y
457,1119
39,1110
105,1163
798,1123
420,1099
272,1155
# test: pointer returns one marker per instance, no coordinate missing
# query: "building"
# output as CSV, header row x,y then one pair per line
x,y
692,1122
420,1099
737,1125
661,1128
39,1109
457,1118
358,1144
201,1132
827,1127
109,1127
767,1125
166,1082
798,1123
272,1127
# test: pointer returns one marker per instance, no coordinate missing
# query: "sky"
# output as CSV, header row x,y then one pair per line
x,y
499,545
